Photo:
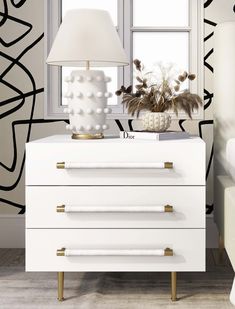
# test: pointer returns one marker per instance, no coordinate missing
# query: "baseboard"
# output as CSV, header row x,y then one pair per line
x,y
12,231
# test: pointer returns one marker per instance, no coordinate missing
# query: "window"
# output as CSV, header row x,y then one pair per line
x,y
150,30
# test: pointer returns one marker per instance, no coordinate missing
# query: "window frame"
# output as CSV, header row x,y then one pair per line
x,y
52,94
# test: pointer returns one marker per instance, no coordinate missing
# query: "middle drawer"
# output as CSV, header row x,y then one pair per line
x,y
115,207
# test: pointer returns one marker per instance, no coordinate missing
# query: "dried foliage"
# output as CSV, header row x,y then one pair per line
x,y
159,94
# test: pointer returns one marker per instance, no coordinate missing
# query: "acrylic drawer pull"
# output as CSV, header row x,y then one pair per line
x,y
113,209
114,252
99,165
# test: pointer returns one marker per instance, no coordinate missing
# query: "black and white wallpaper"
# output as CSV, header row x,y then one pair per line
x,y
21,93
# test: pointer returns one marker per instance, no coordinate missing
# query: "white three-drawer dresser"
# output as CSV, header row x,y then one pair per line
x,y
115,205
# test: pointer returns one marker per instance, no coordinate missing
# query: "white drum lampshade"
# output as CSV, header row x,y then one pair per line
x,y
87,38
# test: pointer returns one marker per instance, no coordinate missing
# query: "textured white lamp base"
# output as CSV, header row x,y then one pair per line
x,y
87,103
232,293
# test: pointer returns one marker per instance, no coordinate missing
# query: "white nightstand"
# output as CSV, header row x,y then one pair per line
x,y
115,205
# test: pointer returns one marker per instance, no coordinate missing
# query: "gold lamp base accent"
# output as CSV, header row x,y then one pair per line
x,y
87,136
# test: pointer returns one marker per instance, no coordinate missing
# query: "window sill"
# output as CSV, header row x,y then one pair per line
x,y
196,116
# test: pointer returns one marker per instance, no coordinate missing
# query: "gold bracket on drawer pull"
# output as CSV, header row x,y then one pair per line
x,y
168,208
60,165
168,252
60,252
168,164
60,208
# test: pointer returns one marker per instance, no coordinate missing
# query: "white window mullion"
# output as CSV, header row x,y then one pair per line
x,y
196,50
127,36
128,40
160,29
118,109
52,74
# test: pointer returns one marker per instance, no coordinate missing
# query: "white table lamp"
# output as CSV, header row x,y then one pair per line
x,y
87,38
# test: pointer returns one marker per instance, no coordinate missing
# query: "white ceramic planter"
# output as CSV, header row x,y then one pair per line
x,y
159,122
87,103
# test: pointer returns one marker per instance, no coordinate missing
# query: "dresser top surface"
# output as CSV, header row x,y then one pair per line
x,y
111,139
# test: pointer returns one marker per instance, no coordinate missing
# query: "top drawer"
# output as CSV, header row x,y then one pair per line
x,y
113,161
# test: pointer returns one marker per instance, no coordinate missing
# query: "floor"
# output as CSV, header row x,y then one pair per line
x,y
113,290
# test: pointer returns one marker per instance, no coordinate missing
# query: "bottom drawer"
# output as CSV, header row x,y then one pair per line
x,y
115,249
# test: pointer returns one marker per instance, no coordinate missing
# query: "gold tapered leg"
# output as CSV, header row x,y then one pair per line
x,y
221,249
173,286
60,286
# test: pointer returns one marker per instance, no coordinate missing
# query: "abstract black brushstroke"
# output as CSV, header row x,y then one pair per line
x,y
206,64
118,122
210,162
130,124
19,21
4,13
19,4
207,96
181,124
202,123
207,3
14,204
208,36
209,209
210,22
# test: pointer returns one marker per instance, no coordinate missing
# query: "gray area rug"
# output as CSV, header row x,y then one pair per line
x,y
113,290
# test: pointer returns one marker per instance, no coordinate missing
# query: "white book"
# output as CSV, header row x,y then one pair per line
x,y
158,136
